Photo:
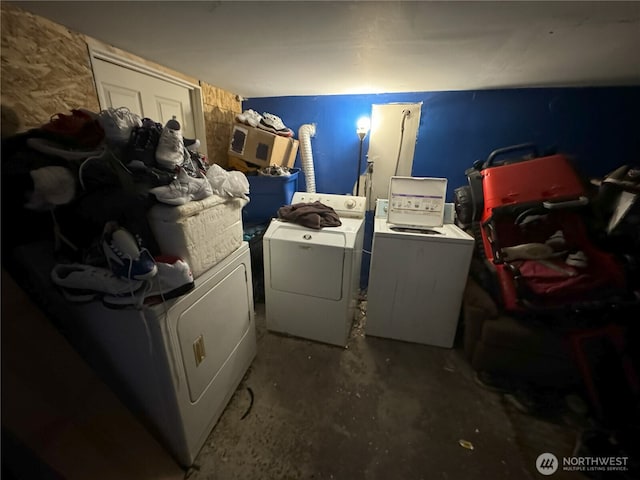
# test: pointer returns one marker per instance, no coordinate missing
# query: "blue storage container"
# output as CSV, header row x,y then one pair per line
x,y
267,194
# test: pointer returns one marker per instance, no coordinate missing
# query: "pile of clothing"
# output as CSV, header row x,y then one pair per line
x,y
86,178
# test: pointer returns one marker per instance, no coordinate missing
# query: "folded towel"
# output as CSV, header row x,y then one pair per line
x,y
314,215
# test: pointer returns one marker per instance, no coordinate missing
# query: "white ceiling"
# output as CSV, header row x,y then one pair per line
x,y
266,48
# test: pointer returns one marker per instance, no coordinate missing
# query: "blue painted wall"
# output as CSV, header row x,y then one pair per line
x,y
600,127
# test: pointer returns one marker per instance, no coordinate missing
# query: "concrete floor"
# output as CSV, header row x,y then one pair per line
x,y
379,410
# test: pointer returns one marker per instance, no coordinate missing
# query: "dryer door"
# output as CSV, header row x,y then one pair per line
x,y
211,327
307,262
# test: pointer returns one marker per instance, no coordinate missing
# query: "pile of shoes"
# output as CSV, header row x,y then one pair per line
x,y
132,276
171,164
80,174
267,121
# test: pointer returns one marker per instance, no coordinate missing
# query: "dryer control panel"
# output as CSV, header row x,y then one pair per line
x,y
347,206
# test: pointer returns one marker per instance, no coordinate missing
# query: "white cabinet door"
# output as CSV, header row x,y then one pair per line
x,y
146,95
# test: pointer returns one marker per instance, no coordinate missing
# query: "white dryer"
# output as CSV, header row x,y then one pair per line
x,y
312,277
418,272
177,364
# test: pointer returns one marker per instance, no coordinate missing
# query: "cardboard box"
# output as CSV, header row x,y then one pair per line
x,y
262,148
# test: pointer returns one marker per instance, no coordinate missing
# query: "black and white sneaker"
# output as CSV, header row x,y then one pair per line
x,y
273,123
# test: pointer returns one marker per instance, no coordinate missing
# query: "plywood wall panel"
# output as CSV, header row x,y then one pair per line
x,y
220,109
218,124
45,69
220,98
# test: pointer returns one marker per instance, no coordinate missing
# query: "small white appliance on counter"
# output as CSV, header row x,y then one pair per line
x,y
419,265
312,277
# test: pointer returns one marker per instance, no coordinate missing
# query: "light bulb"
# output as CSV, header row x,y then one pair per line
x,y
363,127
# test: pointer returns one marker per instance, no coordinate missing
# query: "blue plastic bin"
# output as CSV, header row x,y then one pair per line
x,y
267,195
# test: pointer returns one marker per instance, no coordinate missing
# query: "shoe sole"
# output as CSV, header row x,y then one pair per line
x,y
79,296
267,128
287,132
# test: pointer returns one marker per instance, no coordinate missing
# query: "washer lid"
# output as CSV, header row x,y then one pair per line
x,y
417,201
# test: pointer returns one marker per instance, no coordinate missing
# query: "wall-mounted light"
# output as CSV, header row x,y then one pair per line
x,y
362,128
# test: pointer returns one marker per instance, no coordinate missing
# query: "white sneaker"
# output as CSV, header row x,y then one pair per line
x,y
174,278
118,123
249,117
183,190
170,149
83,283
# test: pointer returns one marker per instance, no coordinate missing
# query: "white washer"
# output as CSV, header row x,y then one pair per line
x,y
312,277
416,281
178,364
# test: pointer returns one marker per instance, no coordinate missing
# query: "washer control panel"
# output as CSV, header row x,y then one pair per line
x,y
347,206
